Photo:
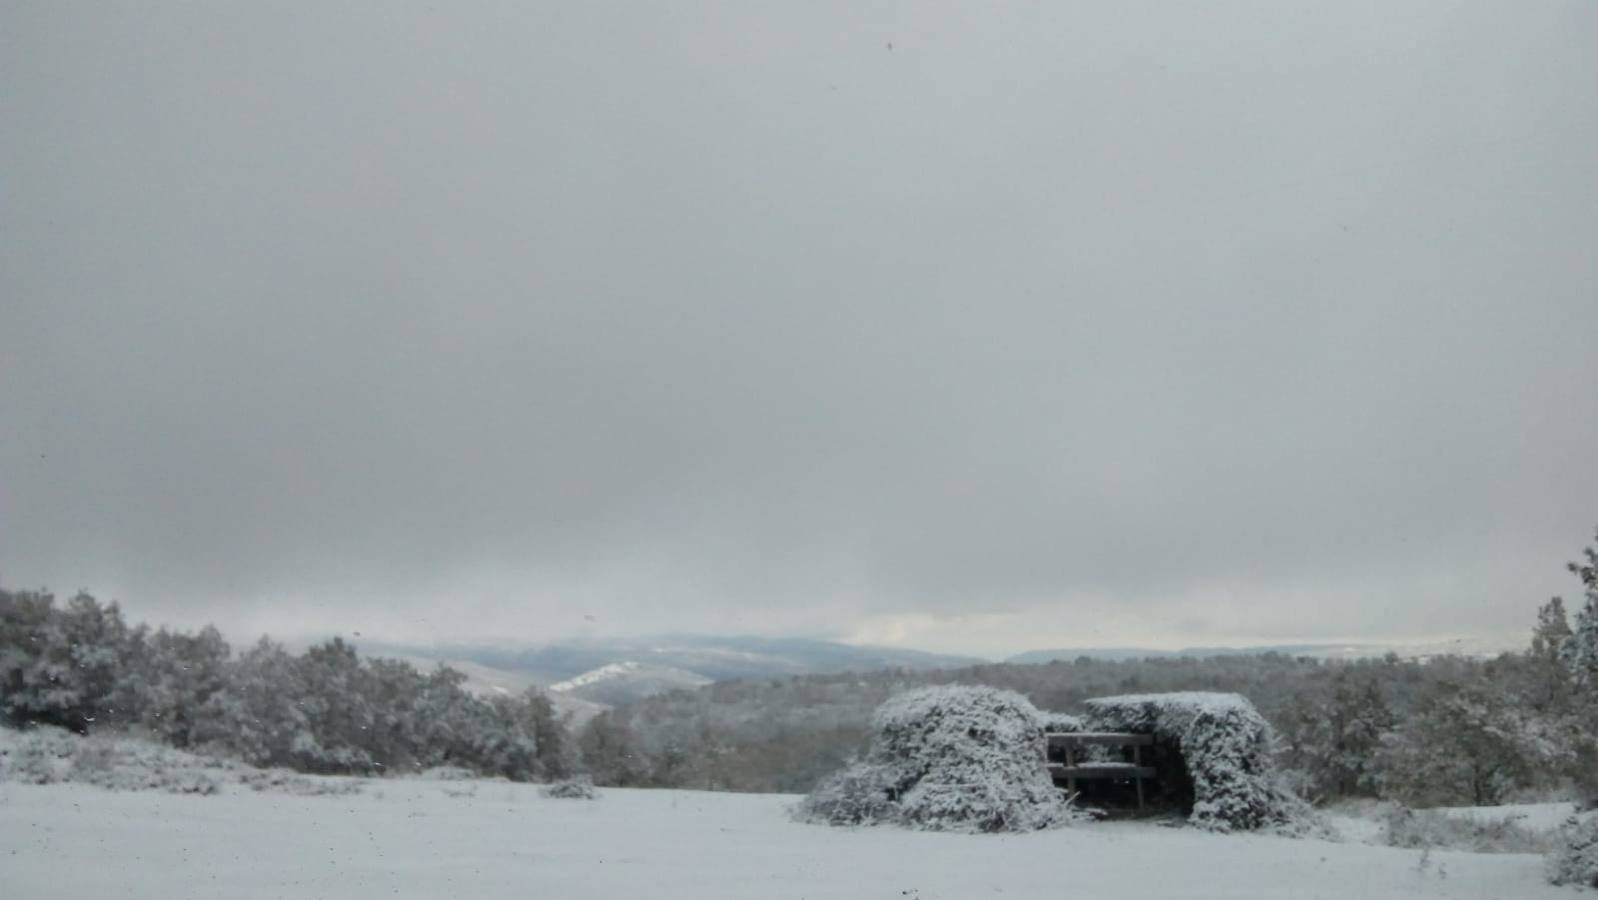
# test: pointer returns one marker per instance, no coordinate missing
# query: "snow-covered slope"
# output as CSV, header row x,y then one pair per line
x,y
624,681
487,840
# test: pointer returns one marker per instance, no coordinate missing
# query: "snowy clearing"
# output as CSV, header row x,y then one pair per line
x,y
485,839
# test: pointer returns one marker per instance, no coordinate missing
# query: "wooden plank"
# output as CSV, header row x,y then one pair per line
x,y
1137,760
1100,771
1101,738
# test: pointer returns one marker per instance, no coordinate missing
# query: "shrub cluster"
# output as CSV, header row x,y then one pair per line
x,y
947,758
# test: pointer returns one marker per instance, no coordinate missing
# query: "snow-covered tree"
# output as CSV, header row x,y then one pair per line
x,y
259,716
59,666
1580,651
1553,629
1465,743
611,752
1332,743
168,677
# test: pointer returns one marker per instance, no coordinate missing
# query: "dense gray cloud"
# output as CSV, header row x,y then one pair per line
x,y
981,327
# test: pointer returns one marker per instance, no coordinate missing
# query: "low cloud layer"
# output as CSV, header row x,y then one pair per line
x,y
981,328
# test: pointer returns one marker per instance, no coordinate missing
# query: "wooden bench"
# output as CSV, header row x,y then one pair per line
x,y
1072,771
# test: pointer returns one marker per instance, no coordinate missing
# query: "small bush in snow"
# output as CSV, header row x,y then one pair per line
x,y
578,787
1575,856
1226,745
947,758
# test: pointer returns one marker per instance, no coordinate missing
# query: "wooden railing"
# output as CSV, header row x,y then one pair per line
x,y
1072,770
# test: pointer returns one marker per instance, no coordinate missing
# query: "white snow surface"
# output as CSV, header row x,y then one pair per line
x,y
487,840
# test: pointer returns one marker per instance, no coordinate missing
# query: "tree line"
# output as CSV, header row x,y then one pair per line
x,y
79,665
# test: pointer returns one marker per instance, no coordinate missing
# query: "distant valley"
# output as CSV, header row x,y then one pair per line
x,y
585,677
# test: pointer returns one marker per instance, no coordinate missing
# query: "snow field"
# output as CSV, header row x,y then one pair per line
x,y
487,839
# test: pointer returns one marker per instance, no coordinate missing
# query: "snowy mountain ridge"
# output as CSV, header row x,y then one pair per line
x,y
605,672
620,682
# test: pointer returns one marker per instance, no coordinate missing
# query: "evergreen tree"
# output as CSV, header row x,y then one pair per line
x,y
1553,629
1466,743
259,716
610,751
1580,651
168,679
1547,676
59,666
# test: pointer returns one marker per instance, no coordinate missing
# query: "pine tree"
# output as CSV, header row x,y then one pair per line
x,y
259,716
1547,678
1553,629
168,678
1464,743
59,666
1580,651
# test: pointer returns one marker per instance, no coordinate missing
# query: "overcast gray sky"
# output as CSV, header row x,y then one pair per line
x,y
976,327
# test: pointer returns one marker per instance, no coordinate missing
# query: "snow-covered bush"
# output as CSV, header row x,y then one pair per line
x,y
446,773
48,755
952,757
1575,856
577,787
283,781
1225,745
1418,829
1061,723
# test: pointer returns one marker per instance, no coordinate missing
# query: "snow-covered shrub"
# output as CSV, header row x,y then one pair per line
x,y
1575,856
37,756
1418,829
446,773
49,755
1061,723
283,781
1225,745
951,757
577,787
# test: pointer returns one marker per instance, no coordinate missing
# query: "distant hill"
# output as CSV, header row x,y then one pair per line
x,y
1473,647
715,658
622,682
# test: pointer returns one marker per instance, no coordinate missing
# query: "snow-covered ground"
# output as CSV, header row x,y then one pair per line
x,y
417,838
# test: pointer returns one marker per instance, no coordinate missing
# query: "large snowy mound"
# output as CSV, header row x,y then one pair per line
x,y
1223,743
951,758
